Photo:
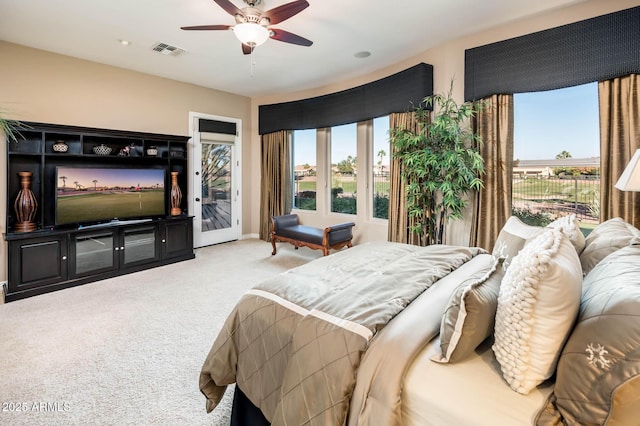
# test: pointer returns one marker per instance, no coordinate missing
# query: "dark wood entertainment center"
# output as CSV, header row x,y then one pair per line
x,y
52,257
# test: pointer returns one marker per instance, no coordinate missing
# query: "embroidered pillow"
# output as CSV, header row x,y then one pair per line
x,y
570,226
469,317
537,305
512,237
598,377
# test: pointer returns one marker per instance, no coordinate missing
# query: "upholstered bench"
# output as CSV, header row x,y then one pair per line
x,y
287,228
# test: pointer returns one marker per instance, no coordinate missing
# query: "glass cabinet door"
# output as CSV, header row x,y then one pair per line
x,y
94,252
140,245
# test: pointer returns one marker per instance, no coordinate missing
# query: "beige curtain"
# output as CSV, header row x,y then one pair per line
x,y
399,222
275,188
492,205
619,101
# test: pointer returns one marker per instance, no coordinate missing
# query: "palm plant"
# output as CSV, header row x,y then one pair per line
x,y
11,128
439,163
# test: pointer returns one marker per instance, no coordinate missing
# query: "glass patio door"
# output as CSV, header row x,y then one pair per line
x,y
216,190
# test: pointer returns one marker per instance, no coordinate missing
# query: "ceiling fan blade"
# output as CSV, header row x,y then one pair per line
x,y
229,7
246,49
287,37
286,11
207,27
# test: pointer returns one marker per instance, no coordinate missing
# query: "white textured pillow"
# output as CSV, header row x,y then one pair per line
x,y
570,226
537,306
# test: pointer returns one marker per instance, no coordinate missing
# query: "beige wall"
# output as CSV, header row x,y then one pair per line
x,y
448,63
44,87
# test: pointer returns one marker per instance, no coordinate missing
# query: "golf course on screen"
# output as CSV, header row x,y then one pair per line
x,y
109,204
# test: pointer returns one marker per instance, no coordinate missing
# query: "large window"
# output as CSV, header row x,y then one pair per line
x,y
304,169
344,151
556,155
349,157
380,161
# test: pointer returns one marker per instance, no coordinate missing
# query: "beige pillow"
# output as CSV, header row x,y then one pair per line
x,y
469,317
570,226
598,377
537,305
512,237
606,238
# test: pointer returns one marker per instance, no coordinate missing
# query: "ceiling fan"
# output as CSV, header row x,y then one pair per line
x,y
253,25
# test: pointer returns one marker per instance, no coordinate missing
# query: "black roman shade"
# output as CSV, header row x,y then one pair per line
x,y
595,49
215,126
399,92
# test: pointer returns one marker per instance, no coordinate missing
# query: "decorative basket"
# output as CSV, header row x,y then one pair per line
x,y
152,151
60,146
101,149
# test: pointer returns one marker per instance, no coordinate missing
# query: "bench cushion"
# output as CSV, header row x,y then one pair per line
x,y
302,233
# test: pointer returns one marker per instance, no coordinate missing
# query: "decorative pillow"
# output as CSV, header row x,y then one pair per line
x,y
512,237
470,314
537,305
570,226
598,377
606,238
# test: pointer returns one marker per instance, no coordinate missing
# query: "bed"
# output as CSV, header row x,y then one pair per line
x,y
389,334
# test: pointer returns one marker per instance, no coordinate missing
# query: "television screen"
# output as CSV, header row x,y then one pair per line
x,y
93,194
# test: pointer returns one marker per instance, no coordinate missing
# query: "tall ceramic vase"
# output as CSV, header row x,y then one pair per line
x,y
25,205
176,195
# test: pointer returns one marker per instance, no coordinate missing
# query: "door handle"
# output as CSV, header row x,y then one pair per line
x,y
197,200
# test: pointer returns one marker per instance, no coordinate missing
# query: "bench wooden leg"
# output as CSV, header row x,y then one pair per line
x,y
273,244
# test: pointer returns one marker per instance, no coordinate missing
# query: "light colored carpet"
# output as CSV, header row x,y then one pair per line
x,y
128,350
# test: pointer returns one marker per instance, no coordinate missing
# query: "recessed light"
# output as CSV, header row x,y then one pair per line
x,y
124,42
362,54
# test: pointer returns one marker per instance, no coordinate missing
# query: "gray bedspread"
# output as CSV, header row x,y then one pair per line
x,y
294,343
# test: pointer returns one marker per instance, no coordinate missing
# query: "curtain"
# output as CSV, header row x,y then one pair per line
x,y
492,204
275,189
619,101
399,222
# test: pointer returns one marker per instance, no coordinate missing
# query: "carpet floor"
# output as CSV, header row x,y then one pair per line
x,y
128,350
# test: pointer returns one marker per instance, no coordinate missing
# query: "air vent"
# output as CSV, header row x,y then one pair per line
x,y
167,49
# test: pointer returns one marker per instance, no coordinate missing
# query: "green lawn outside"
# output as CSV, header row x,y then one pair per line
x,y
305,185
347,186
582,191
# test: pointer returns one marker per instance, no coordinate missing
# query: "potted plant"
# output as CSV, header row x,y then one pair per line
x,y
439,163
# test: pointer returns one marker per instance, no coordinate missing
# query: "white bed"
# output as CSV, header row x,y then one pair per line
x,y
456,394
551,340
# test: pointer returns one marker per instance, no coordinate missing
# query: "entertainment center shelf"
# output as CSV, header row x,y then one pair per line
x,y
50,249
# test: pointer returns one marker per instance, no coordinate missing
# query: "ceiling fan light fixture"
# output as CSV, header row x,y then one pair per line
x,y
251,34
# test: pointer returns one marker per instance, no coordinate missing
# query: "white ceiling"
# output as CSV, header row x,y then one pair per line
x,y
391,30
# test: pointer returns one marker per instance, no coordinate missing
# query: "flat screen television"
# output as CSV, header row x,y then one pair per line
x,y
99,194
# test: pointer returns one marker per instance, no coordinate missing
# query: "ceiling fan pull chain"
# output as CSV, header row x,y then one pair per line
x,y
251,59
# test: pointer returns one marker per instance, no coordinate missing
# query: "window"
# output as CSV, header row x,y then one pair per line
x,y
304,169
556,167
380,180
327,173
344,147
